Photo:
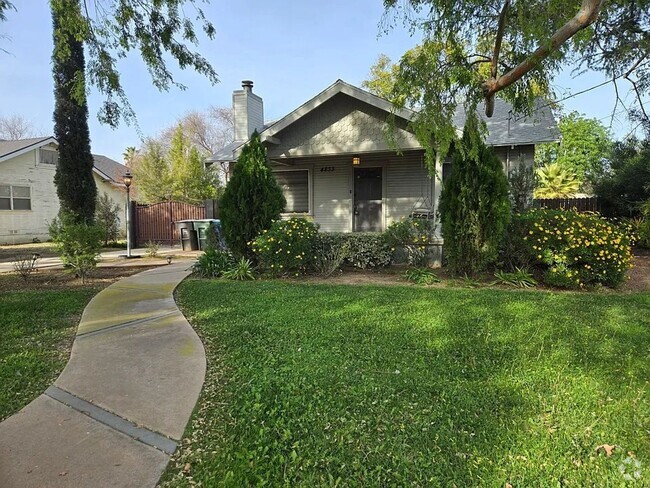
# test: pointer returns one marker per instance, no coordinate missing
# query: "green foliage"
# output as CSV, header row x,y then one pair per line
x,y
519,278
191,181
75,185
627,183
78,243
381,77
421,276
474,205
413,235
382,386
521,181
453,64
287,246
177,173
213,263
573,249
554,181
157,30
241,270
364,250
584,147
252,199
329,255
107,216
643,228
152,248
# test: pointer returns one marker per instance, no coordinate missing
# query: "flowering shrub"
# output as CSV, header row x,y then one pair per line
x,y
572,249
287,247
413,235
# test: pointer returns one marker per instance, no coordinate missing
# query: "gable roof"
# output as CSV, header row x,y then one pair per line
x,y
108,168
504,127
11,149
105,167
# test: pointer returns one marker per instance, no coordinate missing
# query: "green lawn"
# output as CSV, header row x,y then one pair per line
x,y
36,332
323,385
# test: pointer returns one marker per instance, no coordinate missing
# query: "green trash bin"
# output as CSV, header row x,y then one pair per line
x,y
189,241
202,228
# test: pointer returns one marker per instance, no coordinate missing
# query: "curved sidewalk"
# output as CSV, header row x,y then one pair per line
x,y
116,412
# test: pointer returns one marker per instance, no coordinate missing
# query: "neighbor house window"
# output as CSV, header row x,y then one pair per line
x,y
15,197
295,186
49,156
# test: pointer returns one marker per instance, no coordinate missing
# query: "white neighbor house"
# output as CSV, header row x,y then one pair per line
x,y
333,162
28,199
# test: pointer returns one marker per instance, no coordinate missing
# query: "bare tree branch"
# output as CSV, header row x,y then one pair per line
x,y
489,101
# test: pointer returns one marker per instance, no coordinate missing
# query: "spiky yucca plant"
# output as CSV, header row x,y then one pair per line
x,y
554,181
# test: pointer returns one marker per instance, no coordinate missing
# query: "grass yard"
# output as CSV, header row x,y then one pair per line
x,y
36,334
325,385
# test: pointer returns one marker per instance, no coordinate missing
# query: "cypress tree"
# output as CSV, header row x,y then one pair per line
x,y
74,181
252,199
474,204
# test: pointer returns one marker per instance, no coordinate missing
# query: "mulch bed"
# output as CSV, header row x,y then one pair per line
x,y
53,279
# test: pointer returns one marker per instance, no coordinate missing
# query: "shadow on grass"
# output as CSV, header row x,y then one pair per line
x,y
378,386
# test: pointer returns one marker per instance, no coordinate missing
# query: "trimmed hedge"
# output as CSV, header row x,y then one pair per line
x,y
365,249
571,249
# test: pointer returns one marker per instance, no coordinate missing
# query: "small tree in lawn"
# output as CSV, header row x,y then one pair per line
x,y
474,204
252,199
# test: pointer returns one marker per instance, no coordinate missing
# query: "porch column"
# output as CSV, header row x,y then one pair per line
x,y
437,187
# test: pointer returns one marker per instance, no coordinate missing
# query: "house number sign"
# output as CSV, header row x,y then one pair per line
x,y
327,169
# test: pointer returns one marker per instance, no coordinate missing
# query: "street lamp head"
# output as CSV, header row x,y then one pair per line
x,y
127,178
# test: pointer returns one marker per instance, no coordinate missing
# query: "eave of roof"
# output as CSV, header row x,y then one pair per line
x,y
15,149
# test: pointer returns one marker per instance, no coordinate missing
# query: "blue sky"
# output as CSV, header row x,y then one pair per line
x,y
291,50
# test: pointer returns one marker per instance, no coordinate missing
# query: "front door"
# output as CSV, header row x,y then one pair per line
x,y
367,200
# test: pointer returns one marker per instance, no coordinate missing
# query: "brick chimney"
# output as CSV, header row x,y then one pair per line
x,y
248,109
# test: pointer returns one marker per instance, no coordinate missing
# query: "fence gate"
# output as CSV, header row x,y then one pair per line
x,y
156,222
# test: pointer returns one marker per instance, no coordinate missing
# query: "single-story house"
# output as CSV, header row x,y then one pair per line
x,y
334,164
28,199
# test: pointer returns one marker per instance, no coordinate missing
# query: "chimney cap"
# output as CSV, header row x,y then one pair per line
x,y
247,84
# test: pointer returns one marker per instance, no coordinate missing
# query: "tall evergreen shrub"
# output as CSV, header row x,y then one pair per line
x,y
74,181
474,204
252,199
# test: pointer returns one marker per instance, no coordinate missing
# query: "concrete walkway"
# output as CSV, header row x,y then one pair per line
x,y
113,258
116,413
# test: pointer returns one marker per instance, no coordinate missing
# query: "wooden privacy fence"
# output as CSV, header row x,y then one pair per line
x,y
156,222
588,204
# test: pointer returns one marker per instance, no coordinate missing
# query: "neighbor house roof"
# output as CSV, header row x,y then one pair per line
x,y
105,167
108,168
11,149
505,127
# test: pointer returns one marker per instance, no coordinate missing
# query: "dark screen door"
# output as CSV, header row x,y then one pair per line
x,y
367,199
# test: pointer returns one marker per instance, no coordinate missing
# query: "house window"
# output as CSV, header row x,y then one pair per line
x,y
295,186
49,156
15,197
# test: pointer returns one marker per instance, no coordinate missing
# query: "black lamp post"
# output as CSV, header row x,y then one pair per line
x,y
128,179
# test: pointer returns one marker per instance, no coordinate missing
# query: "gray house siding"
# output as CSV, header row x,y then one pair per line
x,y
408,186
515,156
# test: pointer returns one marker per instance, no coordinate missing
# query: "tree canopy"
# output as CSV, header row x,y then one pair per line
x,y
524,44
159,30
177,171
584,148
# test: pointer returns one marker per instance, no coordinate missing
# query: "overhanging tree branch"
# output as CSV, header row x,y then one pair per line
x,y
489,101
587,15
